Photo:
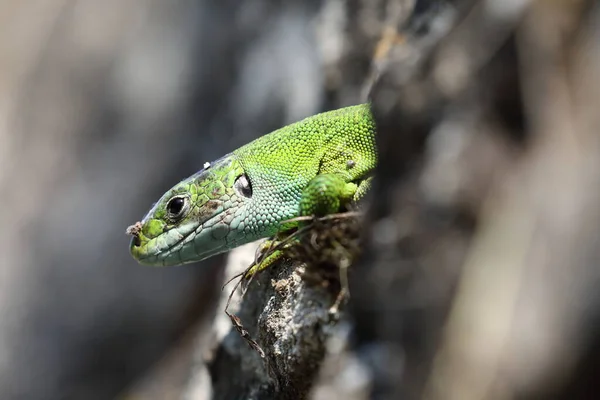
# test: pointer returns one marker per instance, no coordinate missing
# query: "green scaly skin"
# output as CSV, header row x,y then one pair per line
x,y
313,167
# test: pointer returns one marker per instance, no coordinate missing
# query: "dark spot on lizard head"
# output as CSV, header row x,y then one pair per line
x,y
212,204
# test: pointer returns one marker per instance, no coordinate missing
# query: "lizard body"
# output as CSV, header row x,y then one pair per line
x,y
316,166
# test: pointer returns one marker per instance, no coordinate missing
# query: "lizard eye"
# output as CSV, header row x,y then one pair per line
x,y
177,206
242,186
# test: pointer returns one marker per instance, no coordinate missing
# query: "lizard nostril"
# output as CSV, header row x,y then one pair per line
x,y
136,241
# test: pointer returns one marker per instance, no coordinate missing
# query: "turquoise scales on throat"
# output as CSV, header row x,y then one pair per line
x,y
312,167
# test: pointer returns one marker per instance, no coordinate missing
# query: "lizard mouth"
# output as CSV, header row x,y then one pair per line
x,y
170,254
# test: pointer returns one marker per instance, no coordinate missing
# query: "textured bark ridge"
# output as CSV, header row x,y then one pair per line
x,y
290,319
273,340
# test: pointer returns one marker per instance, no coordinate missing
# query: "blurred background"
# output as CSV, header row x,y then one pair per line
x,y
481,252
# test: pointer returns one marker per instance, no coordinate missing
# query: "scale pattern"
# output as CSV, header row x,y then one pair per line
x,y
281,164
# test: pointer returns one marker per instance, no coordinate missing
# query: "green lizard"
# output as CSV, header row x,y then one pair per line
x,y
314,167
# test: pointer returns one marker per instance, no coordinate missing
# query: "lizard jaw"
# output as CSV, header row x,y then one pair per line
x,y
189,243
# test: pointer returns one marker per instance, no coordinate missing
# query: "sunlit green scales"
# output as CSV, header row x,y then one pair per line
x,y
315,166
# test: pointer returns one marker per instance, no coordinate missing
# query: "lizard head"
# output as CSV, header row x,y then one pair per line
x,y
193,220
